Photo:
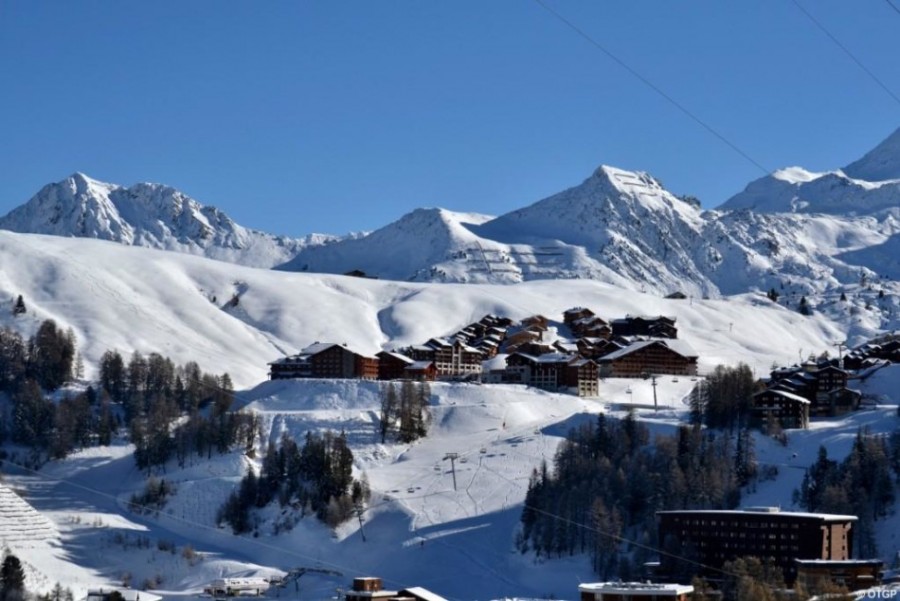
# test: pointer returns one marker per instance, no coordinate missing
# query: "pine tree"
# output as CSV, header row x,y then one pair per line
x,y
19,306
12,579
389,406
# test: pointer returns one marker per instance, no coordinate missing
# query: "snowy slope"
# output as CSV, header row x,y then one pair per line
x,y
150,215
879,164
795,190
419,531
131,298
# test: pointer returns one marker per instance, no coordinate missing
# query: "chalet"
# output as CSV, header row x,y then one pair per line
x,y
634,591
831,396
572,315
594,348
538,321
583,376
650,357
452,359
659,326
325,360
421,370
591,326
787,409
854,574
369,588
516,339
391,365
823,384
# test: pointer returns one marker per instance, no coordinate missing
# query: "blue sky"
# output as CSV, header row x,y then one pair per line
x,y
295,117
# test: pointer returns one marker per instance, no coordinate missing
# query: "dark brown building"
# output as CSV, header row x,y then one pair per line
x,y
391,365
855,574
325,360
780,407
658,326
712,537
649,357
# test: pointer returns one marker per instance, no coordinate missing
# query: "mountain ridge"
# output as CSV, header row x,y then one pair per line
x,y
617,226
151,215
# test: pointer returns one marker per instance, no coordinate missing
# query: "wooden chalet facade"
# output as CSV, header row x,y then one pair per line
x,y
325,360
452,359
649,357
553,372
659,326
391,365
825,387
424,371
773,406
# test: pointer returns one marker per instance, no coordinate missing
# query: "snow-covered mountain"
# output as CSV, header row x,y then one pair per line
x,y
624,228
795,229
150,215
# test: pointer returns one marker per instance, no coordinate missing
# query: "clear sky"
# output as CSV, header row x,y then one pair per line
x,y
300,116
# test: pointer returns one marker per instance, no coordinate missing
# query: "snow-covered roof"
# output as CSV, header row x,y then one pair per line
x,y
554,358
637,588
421,593
838,562
788,395
416,365
397,356
677,346
772,512
317,347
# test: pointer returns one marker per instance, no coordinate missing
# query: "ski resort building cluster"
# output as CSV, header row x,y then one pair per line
x,y
495,350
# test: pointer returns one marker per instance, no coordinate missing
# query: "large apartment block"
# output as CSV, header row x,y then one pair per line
x,y
712,537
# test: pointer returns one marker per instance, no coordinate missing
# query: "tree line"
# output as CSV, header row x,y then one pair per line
x,y
608,482
145,394
861,485
316,478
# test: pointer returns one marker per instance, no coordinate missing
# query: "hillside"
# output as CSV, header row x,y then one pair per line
x,y
418,529
130,298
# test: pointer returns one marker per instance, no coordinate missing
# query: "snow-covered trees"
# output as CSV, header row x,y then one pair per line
x,y
404,412
317,477
861,485
727,396
607,483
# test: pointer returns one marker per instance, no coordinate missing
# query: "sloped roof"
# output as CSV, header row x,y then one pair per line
x,y
398,356
420,593
783,393
317,347
677,346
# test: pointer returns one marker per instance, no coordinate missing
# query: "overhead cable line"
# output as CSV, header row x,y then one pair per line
x,y
846,50
654,87
894,6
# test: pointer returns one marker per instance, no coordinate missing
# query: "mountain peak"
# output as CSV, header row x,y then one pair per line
x,y
879,164
152,215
